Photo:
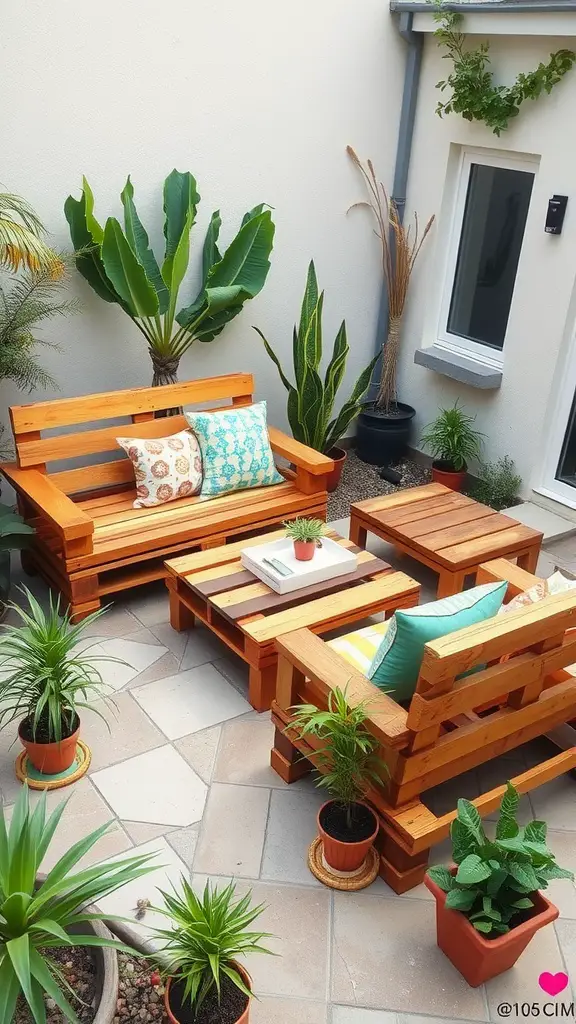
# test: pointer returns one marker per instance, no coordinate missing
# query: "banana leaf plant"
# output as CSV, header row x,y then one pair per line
x,y
119,264
311,398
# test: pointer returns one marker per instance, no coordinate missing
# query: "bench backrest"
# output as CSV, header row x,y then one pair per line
x,y
136,405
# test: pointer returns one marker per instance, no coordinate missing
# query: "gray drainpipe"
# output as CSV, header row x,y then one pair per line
x,y
415,42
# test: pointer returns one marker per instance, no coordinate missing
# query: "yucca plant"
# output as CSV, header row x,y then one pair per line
x,y
311,399
37,917
119,264
206,936
452,440
22,239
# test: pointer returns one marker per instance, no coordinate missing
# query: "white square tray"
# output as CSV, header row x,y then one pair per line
x,y
329,561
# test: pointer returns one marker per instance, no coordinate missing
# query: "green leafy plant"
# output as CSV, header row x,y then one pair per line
x,y
15,535
452,440
206,938
305,529
473,92
36,918
496,877
311,399
348,762
120,266
46,680
22,238
499,484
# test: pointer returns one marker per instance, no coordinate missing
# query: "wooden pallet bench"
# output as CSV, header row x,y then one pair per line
x,y
90,540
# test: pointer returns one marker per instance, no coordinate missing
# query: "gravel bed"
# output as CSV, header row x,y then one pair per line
x,y
77,967
360,481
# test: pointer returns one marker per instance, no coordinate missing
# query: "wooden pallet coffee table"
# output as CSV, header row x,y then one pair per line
x,y
447,531
247,615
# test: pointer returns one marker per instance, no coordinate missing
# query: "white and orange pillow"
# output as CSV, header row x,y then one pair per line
x,y
165,468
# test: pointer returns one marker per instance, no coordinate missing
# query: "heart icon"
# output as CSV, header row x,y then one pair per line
x,y
552,984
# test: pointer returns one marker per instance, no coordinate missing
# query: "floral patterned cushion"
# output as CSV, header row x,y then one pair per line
x,y
165,468
236,452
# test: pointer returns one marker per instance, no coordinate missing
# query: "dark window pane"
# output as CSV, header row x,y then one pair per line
x,y
492,231
566,471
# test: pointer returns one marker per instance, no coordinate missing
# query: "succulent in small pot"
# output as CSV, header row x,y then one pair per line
x,y
453,443
306,534
205,983
348,764
48,680
489,906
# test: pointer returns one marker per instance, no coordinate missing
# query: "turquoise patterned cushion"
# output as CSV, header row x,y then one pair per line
x,y
236,452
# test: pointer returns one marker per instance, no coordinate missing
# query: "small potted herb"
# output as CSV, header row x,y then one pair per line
x,y
453,442
306,534
205,983
348,764
46,681
499,484
489,906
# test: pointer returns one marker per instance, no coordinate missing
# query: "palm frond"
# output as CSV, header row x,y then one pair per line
x,y
21,242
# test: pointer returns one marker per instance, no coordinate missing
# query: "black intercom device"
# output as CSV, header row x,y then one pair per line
x,y
556,213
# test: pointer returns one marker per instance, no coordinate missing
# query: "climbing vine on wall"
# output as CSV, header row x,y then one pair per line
x,y
474,94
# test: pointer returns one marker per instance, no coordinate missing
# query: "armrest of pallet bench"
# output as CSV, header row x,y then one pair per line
x,y
326,670
69,520
499,569
300,454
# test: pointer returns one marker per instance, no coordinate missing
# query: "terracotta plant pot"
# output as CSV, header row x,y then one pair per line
x,y
478,959
304,550
51,758
455,481
241,1020
342,856
333,478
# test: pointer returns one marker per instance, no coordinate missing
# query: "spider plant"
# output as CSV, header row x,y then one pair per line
x,y
37,918
452,440
47,678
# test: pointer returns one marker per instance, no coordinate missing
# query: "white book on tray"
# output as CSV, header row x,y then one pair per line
x,y
330,560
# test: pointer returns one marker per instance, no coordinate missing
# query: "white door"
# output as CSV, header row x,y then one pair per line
x,y
559,473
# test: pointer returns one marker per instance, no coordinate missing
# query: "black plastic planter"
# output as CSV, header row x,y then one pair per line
x,y
382,437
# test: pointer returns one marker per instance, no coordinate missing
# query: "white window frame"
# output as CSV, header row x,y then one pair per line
x,y
468,156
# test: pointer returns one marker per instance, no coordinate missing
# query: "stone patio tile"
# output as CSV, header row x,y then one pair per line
x,y
130,659
562,891
116,621
411,1018
233,830
358,1015
236,670
566,935
167,665
555,803
199,749
201,646
385,957
521,983
444,798
148,604
171,638
143,832
244,754
145,636
291,829
270,1010
126,731
158,787
184,842
190,701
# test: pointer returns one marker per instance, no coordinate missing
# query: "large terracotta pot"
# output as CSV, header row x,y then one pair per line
x,y
341,856
241,1020
304,550
455,481
478,959
51,758
338,455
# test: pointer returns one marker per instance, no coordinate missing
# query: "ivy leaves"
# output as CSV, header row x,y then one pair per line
x,y
474,94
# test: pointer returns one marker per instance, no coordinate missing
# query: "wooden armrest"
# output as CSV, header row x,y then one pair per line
x,y
327,670
499,569
300,454
69,520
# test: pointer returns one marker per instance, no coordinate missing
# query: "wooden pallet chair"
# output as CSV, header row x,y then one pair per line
x,y
453,723
90,540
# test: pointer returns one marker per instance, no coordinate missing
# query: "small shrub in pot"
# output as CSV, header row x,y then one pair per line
x,y
454,443
306,534
499,484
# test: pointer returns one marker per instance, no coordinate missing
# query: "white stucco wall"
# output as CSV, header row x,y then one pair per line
x,y
258,102
517,418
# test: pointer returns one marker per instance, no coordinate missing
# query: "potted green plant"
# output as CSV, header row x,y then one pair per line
x,y
311,398
306,534
119,264
384,425
453,442
205,983
15,535
347,763
47,680
489,906
40,914
499,484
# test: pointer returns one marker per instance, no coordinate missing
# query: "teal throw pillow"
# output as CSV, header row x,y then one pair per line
x,y
396,664
236,452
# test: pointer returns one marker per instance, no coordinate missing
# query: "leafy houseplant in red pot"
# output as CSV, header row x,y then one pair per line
x,y
489,907
306,534
453,443
205,983
348,763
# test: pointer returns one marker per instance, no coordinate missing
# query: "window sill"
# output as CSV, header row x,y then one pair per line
x,y
459,367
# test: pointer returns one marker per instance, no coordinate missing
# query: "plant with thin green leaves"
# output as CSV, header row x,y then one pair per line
x,y
119,264
499,484
38,917
15,535
311,399
348,762
496,877
305,529
206,937
46,679
452,439
22,238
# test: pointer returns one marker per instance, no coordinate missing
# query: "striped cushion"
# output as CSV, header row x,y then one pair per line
x,y
360,647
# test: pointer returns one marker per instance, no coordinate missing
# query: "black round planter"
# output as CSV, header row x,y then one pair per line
x,y
382,437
